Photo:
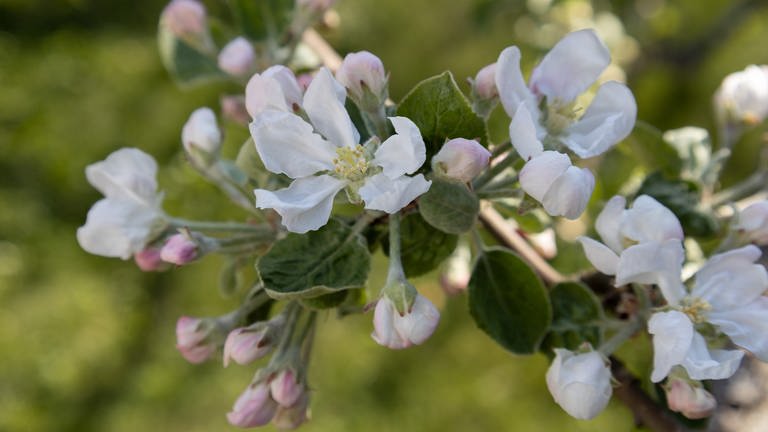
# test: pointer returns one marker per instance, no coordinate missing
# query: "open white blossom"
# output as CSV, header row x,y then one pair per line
x,y
129,216
728,294
324,157
743,96
568,70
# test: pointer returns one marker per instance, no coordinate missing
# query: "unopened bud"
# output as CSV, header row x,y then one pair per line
x,y
743,96
413,327
461,159
201,136
149,260
233,109
484,84
184,18
692,401
179,249
247,344
195,339
563,189
287,418
255,407
237,56
286,390
580,383
362,73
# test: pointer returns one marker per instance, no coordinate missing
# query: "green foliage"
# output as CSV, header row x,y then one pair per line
x,y
328,260
441,111
576,316
682,197
187,64
508,301
449,206
422,246
262,19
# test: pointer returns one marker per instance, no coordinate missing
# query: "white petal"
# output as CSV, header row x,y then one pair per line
x,y
730,280
657,263
571,66
539,173
288,84
384,332
263,93
119,227
419,323
601,256
128,173
649,220
672,338
569,193
327,113
703,364
747,326
305,205
512,88
608,222
390,195
608,120
286,144
402,153
522,134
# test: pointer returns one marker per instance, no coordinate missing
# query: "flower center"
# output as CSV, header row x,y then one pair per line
x,y
695,308
350,163
559,116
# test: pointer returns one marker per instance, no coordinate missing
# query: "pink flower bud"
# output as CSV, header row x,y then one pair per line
x,y
233,109
691,401
179,250
461,159
580,383
201,134
149,260
184,17
237,56
362,73
396,331
484,85
287,418
245,345
286,390
253,408
193,339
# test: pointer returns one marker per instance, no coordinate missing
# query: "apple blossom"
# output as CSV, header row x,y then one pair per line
x,y
237,57
743,96
201,135
286,388
149,260
196,338
580,383
184,17
179,249
294,416
254,407
484,84
689,399
460,159
753,221
362,73
276,88
247,344
397,330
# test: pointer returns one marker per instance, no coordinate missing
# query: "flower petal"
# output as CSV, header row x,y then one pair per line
x,y
570,67
649,220
390,195
288,84
305,205
522,133
569,193
512,88
384,332
402,153
418,324
731,280
608,120
601,256
539,173
286,144
703,364
672,338
263,93
608,222
127,173
119,228
327,113
747,326
657,263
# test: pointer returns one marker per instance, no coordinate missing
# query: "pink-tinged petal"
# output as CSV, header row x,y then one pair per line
x,y
608,223
570,67
127,173
305,205
580,383
287,144
512,88
657,263
522,134
390,195
264,93
539,173
418,324
253,408
648,220
327,113
569,193
731,280
701,363
286,389
384,332
746,326
402,153
608,120
288,84
672,338
237,56
601,256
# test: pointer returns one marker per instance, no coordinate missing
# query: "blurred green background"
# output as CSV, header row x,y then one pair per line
x,y
87,343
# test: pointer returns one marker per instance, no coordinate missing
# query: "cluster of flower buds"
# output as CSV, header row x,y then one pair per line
x,y
279,397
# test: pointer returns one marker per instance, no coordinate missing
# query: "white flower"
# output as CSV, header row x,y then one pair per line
x,y
728,294
237,56
397,331
753,221
276,88
656,236
743,96
324,157
130,216
201,133
580,383
568,70
484,84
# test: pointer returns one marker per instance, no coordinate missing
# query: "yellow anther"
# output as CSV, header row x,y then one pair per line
x,y
695,308
560,116
350,163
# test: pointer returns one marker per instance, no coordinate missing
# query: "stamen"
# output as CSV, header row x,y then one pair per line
x,y
695,308
350,163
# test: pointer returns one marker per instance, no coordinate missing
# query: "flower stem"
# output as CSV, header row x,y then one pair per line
x,y
220,226
621,336
494,170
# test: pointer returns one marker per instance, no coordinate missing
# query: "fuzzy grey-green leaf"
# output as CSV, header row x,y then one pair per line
x,y
449,206
576,317
423,246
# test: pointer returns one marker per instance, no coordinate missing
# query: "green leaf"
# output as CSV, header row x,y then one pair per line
x,y
576,315
508,301
228,278
187,64
262,19
249,162
423,247
449,206
648,148
682,197
325,261
327,301
441,111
